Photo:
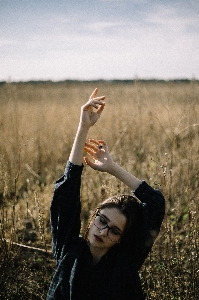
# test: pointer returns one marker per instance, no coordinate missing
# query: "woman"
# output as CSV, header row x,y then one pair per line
x,y
104,264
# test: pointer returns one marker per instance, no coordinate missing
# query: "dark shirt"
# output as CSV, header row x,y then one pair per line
x,y
115,276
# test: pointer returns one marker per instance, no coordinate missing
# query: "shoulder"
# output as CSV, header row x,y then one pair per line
x,y
146,193
71,172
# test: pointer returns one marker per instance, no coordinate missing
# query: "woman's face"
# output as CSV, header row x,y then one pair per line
x,y
106,229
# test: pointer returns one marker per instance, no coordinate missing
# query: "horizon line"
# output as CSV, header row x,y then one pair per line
x,y
36,81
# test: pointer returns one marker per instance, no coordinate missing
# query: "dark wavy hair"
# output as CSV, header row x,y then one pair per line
x,y
130,207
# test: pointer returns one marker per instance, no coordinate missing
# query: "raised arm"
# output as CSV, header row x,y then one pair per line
x,y
153,203
103,162
65,206
90,113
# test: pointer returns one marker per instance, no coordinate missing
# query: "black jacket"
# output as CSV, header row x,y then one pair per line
x,y
115,276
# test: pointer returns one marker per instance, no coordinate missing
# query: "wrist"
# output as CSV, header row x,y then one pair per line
x,y
120,173
113,167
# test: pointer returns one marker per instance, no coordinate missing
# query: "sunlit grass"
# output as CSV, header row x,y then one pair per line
x,y
152,130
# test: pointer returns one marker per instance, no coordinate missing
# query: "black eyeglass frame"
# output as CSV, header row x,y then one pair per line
x,y
106,226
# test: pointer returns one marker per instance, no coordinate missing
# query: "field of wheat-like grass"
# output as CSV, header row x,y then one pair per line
x,y
152,130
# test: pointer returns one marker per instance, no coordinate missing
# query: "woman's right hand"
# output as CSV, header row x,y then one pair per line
x,y
91,111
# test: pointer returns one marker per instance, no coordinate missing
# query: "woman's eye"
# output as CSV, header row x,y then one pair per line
x,y
103,221
115,232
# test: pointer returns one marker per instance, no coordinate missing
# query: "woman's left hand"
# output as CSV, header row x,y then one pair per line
x,y
98,150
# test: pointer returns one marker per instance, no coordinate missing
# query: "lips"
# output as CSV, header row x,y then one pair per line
x,y
98,239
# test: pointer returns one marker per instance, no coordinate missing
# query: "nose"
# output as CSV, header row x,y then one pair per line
x,y
104,231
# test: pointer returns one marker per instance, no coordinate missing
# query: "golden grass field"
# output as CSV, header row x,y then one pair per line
x,y
152,130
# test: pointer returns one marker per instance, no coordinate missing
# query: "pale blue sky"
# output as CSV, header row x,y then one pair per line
x,y
99,39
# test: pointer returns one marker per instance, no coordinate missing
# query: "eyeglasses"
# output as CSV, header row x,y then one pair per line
x,y
101,223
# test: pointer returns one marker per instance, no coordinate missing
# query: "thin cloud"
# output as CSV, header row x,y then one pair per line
x,y
101,42
101,26
171,18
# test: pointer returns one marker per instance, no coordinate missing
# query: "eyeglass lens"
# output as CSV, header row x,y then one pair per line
x,y
101,223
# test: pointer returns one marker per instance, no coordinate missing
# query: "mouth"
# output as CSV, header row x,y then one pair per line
x,y
97,238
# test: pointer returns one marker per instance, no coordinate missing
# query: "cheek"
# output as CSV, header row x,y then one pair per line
x,y
91,230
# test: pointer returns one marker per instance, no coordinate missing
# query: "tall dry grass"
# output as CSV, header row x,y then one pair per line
x,y
152,130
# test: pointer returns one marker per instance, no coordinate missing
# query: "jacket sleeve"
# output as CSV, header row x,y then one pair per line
x,y
65,210
152,211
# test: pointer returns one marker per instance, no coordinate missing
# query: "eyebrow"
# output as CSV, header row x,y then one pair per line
x,y
113,225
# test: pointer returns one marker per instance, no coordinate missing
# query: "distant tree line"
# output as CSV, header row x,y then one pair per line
x,y
113,81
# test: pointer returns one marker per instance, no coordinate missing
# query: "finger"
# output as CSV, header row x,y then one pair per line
x,y
90,104
96,102
89,163
94,142
97,145
97,142
102,142
89,151
99,98
93,103
100,109
94,93
93,147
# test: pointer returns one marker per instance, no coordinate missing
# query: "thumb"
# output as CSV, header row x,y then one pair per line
x,y
89,163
